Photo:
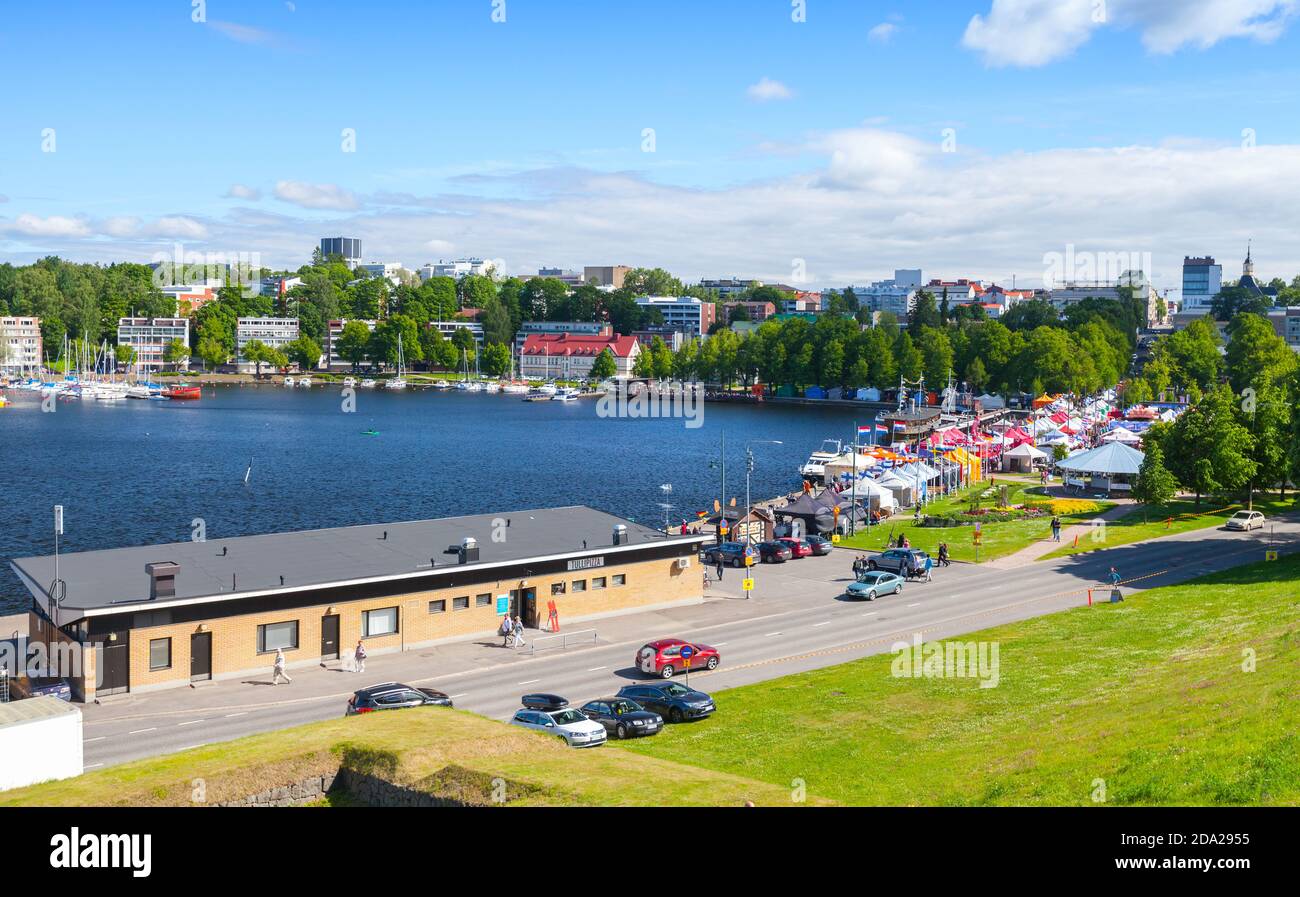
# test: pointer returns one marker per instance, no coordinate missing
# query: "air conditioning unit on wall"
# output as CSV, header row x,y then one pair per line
x,y
683,563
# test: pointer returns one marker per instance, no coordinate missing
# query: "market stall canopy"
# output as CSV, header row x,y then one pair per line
x,y
991,403
1025,450
1111,459
1120,434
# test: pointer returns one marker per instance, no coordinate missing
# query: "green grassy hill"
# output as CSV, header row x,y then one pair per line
x,y
1149,696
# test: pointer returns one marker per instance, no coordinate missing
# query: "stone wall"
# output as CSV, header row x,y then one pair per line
x,y
361,787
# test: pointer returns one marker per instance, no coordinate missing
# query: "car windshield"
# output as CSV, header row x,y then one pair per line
x,y
622,707
564,717
1241,515
870,578
676,691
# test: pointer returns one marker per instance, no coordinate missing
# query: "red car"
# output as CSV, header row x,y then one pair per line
x,y
664,657
798,547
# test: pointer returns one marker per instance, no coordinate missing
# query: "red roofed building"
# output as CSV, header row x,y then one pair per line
x,y
569,356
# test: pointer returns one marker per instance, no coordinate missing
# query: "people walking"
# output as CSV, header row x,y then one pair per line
x,y
1114,578
1056,529
929,568
277,671
943,555
506,630
719,567
359,657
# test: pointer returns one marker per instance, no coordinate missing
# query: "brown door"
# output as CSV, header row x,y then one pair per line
x,y
113,665
329,637
529,614
200,656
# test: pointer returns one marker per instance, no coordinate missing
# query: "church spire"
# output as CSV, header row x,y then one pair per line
x,y
1248,269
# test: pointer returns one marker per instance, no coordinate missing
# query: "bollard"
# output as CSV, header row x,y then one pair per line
x,y
1090,597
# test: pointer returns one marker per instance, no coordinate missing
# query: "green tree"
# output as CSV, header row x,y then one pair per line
x,y
652,282
258,353
937,356
1207,449
303,351
123,352
976,376
1155,486
496,359
176,353
908,358
212,352
354,343
604,367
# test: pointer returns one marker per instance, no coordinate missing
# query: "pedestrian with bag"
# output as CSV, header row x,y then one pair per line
x,y
359,657
277,671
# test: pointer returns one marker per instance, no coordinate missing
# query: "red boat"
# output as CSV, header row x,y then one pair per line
x,y
182,392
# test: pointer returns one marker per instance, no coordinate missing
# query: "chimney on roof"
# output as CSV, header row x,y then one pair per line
x,y
620,534
162,579
468,550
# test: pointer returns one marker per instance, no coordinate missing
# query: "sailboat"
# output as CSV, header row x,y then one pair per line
x,y
398,382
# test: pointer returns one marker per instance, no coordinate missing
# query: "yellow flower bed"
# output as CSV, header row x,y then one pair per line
x,y
1068,507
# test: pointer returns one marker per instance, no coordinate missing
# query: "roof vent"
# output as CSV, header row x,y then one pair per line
x,y
468,550
162,579
620,534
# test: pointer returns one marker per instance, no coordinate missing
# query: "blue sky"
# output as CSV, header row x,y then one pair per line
x,y
774,139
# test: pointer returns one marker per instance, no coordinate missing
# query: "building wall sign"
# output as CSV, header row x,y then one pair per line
x,y
586,563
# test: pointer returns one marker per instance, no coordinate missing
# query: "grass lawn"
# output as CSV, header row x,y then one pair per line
x,y
1149,696
447,752
1150,523
997,539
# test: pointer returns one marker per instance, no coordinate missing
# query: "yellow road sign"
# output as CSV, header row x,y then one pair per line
x,y
748,585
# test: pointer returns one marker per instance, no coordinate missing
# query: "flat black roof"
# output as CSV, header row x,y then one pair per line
x,y
116,577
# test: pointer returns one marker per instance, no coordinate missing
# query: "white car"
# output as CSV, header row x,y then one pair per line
x,y
569,724
1245,520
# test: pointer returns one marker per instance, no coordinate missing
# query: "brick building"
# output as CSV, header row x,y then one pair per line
x,y
165,616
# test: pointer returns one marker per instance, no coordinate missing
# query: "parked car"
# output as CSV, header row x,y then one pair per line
x,y
394,696
623,718
544,702
664,657
671,700
798,547
40,686
1245,521
730,553
873,583
902,561
569,724
773,552
820,544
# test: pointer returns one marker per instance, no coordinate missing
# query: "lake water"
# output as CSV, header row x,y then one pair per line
x,y
141,472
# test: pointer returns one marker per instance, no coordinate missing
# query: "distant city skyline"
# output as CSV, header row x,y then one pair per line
x,y
970,138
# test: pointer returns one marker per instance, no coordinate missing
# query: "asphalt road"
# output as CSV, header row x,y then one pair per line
x,y
797,621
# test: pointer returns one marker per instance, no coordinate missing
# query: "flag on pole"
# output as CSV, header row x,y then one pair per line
x,y
864,430
881,428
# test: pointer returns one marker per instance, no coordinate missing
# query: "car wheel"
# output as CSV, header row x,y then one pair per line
x,y
667,671
871,565
736,562
712,664
675,715
898,589
871,596
621,731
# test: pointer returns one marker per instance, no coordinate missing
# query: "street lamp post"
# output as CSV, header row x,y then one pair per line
x,y
749,468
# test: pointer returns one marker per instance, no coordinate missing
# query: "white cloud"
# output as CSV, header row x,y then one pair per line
x,y
29,225
121,226
244,34
444,247
1036,32
316,196
766,89
179,227
882,32
241,191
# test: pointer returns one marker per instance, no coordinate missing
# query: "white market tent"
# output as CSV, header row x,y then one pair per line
x,y
901,488
991,403
872,493
1022,457
1108,467
1122,434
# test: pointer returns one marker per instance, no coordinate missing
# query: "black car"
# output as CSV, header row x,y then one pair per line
x,y
40,686
544,702
903,561
394,696
774,553
671,700
820,544
727,553
622,717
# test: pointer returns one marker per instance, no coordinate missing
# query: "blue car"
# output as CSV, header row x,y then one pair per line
x,y
873,583
41,686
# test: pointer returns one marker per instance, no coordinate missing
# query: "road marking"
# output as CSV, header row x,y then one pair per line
x,y
529,681
92,765
719,644
770,634
461,695
823,623
193,722
917,604
871,613
142,731
594,669
100,738
240,713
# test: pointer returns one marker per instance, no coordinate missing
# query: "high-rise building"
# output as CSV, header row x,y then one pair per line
x,y
691,316
1202,281
20,344
606,276
273,332
149,337
347,247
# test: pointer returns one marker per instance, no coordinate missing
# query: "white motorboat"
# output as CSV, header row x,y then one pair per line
x,y
369,383
815,467
567,394
349,382
290,382
304,382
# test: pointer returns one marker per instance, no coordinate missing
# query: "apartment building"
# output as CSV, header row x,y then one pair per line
x,y
691,316
20,344
273,332
149,337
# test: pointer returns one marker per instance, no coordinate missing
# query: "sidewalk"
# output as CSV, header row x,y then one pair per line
x,y
331,681
1031,553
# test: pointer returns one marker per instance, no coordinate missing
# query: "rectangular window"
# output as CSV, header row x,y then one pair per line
x,y
438,607
620,579
461,603
160,653
597,583
273,636
580,585
557,588
484,600
379,622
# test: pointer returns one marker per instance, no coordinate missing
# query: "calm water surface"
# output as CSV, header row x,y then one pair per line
x,y
139,472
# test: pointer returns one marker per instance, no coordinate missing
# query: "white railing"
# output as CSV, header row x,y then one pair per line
x,y
581,636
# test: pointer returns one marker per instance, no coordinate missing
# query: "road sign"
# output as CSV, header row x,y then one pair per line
x,y
723,529
747,585
749,560
1270,555
835,538
687,653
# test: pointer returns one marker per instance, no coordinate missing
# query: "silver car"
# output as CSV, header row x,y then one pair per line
x,y
1245,521
569,724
